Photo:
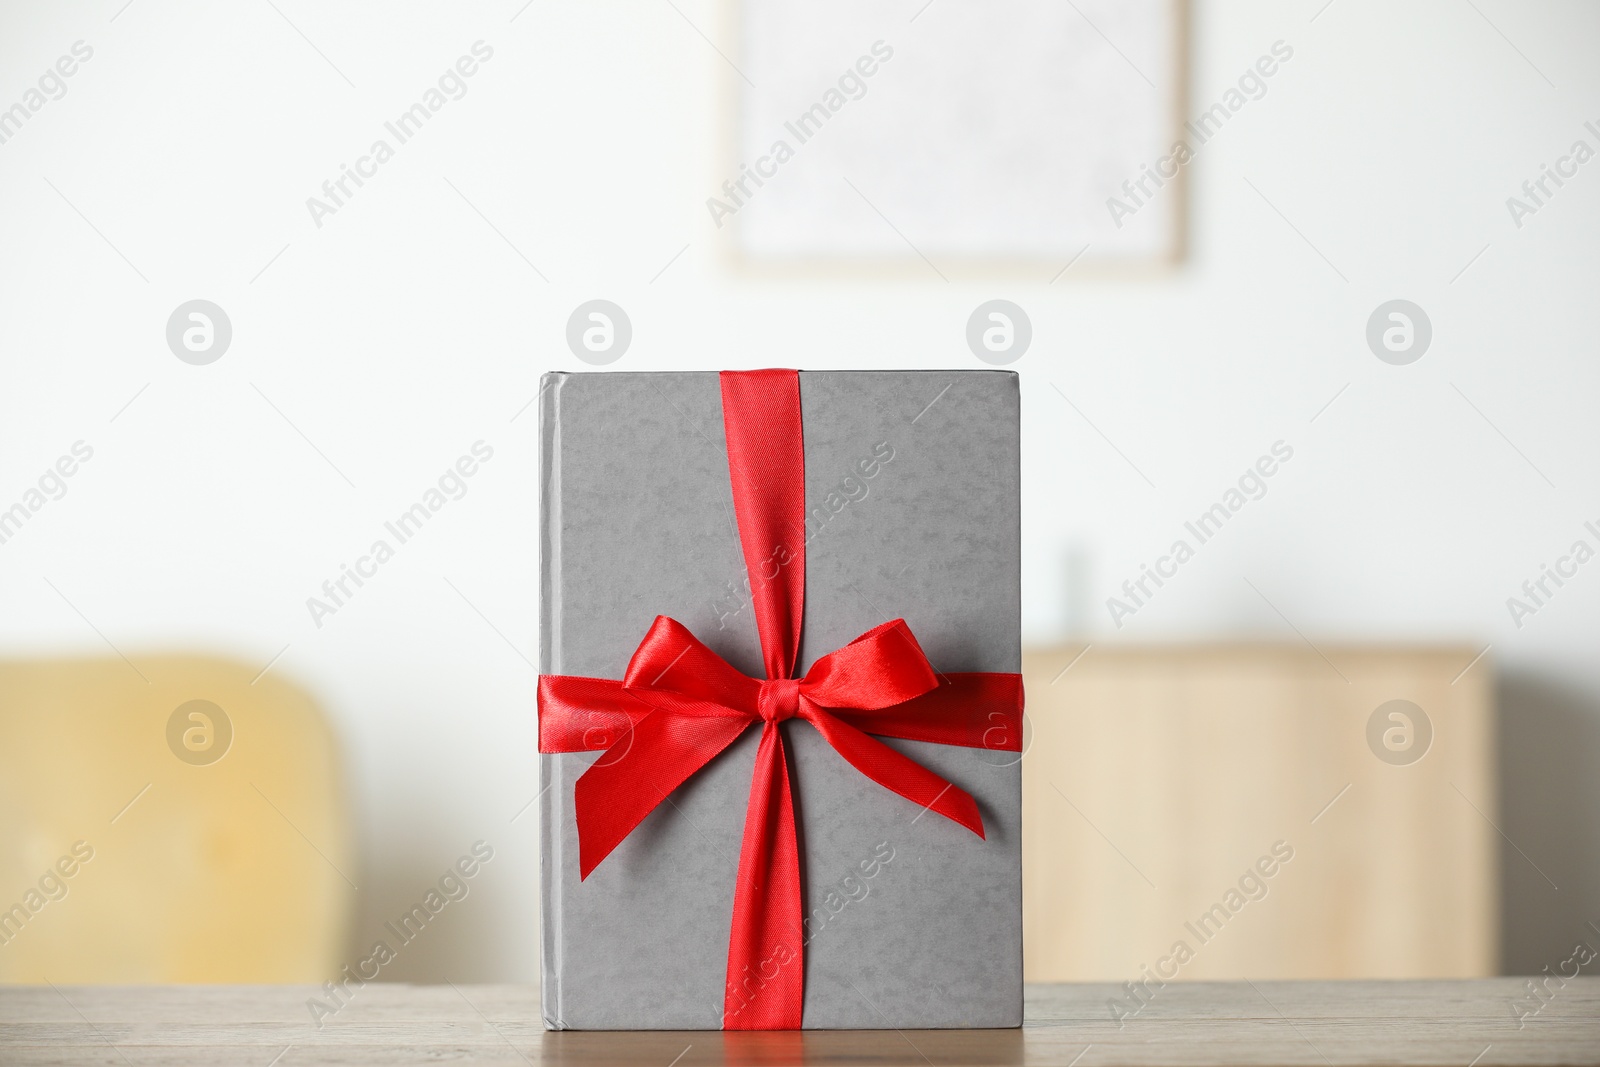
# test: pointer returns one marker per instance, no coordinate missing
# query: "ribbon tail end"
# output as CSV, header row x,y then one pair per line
x,y
587,860
965,813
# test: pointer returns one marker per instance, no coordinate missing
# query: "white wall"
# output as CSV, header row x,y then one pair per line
x,y
405,329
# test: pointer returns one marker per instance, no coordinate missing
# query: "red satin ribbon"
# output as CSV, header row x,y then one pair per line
x,y
680,704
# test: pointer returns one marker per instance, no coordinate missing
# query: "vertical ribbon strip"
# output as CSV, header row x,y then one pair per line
x,y
766,466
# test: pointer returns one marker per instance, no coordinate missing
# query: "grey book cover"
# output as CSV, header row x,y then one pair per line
x,y
912,499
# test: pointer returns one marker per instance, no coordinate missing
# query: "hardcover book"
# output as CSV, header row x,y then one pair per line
x,y
907,912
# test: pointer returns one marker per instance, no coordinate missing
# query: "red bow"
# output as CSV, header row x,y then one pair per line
x,y
680,704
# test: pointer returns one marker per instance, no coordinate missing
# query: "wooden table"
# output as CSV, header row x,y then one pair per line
x,y
1467,1023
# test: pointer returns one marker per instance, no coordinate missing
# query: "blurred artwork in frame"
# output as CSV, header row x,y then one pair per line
x,y
954,137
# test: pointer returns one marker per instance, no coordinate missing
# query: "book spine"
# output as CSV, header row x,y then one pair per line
x,y
553,792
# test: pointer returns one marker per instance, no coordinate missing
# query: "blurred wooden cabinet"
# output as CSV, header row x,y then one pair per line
x,y
1259,811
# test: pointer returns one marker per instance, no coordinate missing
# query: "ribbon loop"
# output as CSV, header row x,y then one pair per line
x,y
670,659
883,667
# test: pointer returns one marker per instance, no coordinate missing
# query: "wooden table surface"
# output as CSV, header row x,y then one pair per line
x,y
1456,1023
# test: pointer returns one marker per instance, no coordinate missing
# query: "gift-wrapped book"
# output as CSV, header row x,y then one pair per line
x,y
779,710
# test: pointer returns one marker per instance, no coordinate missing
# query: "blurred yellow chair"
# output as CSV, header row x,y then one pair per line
x,y
175,819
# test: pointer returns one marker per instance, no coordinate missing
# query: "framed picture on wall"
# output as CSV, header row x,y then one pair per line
x,y
950,136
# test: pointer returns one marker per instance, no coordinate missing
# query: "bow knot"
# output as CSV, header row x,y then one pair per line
x,y
693,704
778,699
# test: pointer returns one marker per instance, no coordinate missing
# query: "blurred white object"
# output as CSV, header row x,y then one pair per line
x,y
962,133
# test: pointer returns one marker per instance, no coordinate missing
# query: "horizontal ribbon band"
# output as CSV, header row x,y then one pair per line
x,y
970,710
